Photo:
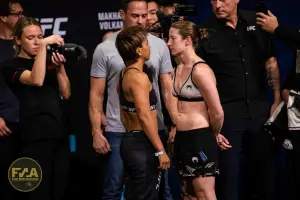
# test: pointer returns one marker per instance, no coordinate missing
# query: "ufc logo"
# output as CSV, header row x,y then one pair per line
x,y
251,28
53,24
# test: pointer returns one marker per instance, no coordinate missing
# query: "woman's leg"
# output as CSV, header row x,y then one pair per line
x,y
201,188
204,188
187,190
141,167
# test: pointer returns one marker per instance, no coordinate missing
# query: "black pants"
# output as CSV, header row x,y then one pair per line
x,y
9,152
53,157
249,166
141,167
294,163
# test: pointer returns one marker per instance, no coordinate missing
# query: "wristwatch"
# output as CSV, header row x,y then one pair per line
x,y
160,153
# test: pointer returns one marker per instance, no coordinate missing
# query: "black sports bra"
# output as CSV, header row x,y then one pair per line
x,y
130,106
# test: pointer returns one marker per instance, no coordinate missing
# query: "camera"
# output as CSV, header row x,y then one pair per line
x,y
70,51
165,21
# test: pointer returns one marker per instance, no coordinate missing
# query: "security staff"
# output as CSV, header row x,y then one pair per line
x,y
269,23
240,53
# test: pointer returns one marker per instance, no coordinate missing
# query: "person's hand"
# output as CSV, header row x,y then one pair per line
x,y
267,22
164,161
58,60
4,130
285,96
223,143
172,135
54,39
100,144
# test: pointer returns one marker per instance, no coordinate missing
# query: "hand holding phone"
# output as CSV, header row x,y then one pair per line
x,y
261,7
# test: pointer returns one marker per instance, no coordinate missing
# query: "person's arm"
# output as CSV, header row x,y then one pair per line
x,y
4,130
96,104
63,81
204,79
290,36
169,99
166,83
36,76
140,93
97,90
272,69
269,23
273,76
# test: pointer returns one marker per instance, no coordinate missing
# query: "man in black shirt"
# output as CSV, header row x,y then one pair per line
x,y
10,13
240,54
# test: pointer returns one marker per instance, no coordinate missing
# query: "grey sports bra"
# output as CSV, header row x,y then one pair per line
x,y
188,91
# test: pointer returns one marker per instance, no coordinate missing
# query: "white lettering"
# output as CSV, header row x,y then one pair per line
x,y
251,28
46,23
108,16
107,25
110,21
56,28
100,16
53,24
47,20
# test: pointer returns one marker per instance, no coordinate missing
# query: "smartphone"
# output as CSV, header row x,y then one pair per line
x,y
261,7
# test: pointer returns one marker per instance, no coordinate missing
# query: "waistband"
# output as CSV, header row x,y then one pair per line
x,y
134,131
136,135
196,131
133,109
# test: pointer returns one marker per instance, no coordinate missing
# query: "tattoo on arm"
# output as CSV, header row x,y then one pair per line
x,y
273,77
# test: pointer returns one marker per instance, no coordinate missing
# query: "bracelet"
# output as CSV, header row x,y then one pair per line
x,y
160,153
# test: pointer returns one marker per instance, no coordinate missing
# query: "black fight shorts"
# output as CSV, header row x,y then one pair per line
x,y
141,167
196,153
